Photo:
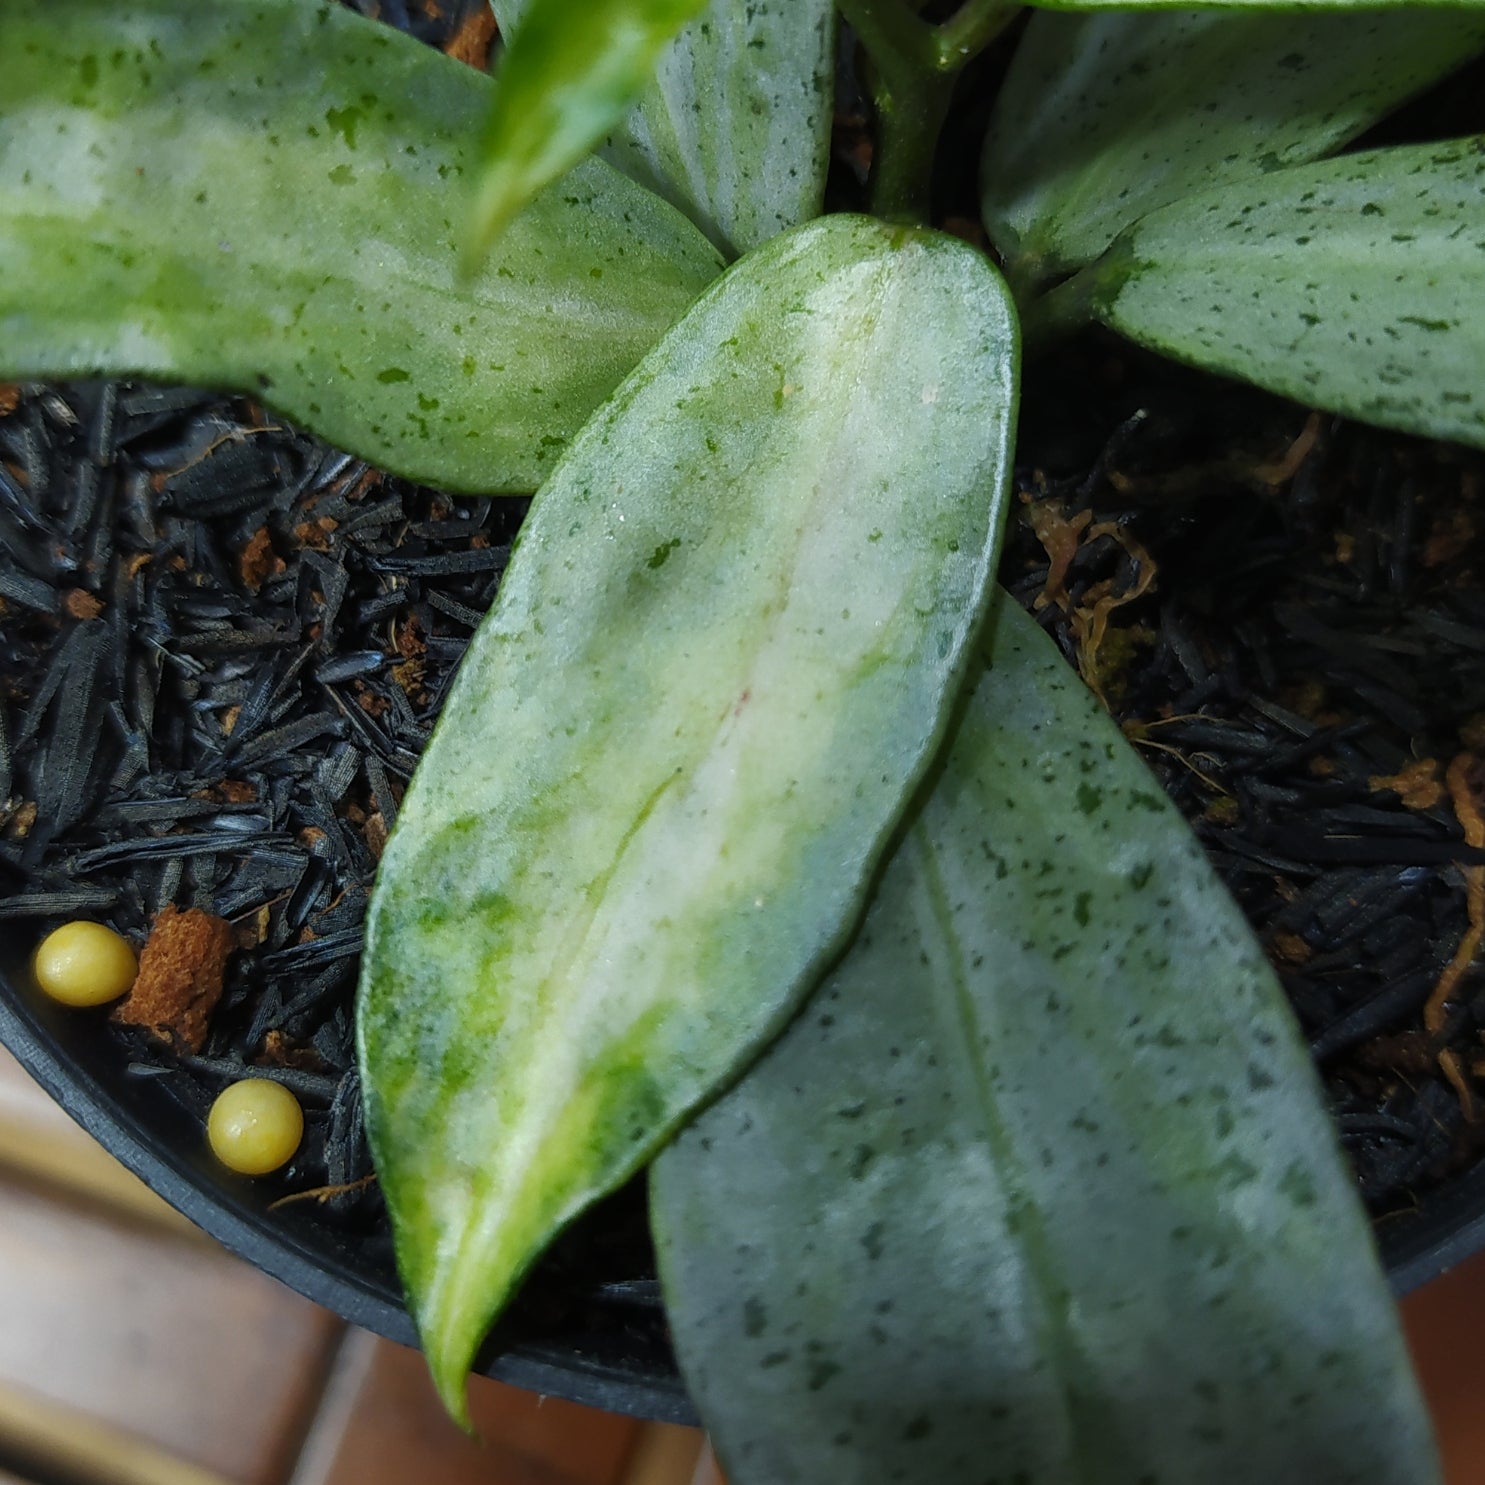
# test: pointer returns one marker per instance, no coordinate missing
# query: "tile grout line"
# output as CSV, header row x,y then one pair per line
x,y
347,1366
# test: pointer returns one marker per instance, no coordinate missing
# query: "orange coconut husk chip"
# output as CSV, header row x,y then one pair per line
x,y
181,969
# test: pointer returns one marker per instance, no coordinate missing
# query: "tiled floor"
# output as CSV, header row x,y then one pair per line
x,y
380,1421
135,1352
165,1336
1446,1330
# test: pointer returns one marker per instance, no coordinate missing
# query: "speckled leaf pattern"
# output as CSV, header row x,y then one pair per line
x,y
718,663
1355,285
266,196
1040,1187
735,128
574,71
1106,117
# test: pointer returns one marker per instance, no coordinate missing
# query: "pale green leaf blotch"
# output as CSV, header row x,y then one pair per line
x,y
719,661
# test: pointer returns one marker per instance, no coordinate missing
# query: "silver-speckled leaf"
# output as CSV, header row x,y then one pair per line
x,y
1106,117
267,195
735,129
1355,285
1039,1187
719,661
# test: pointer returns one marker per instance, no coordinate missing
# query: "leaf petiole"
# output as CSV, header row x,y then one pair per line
x,y
970,30
913,66
1057,312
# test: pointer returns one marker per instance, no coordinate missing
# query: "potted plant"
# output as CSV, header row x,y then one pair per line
x,y
734,691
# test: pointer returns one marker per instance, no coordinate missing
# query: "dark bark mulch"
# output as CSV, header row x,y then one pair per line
x,y
223,645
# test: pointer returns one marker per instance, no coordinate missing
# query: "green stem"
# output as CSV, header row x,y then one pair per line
x,y
1060,311
898,43
971,29
914,66
908,128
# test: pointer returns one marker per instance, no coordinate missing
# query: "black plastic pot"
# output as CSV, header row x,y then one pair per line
x,y
1447,1228
73,1057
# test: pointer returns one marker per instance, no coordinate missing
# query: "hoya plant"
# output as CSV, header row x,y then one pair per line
x,y
759,841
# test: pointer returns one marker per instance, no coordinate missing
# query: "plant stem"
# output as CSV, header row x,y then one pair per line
x,y
914,66
970,30
898,43
908,127
1058,312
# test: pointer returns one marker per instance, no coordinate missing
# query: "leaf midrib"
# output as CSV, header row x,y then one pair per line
x,y
956,1011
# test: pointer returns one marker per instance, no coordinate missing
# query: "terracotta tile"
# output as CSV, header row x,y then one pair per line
x,y
669,1455
383,1425
708,1471
172,1341
39,1141
53,1443
1445,1321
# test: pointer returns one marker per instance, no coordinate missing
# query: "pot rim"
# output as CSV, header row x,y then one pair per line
x,y
229,1213
1447,1228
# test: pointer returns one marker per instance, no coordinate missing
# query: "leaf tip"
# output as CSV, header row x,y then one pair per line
x,y
498,204
449,1346
457,1276
452,1386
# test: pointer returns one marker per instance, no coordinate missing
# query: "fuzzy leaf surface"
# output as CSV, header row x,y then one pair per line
x,y
718,663
266,196
1040,1186
1106,117
735,127
1353,285
572,73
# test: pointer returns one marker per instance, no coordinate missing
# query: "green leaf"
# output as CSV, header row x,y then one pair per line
x,y
1352,285
265,197
562,83
1104,118
735,128
717,664
1040,1187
